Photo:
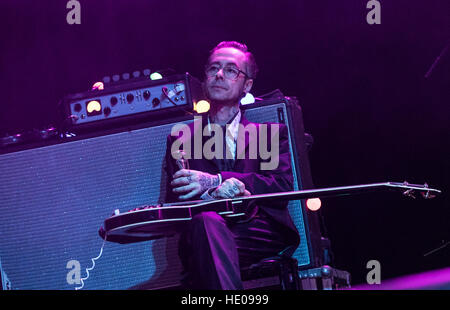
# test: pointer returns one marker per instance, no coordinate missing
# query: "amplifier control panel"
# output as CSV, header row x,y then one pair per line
x,y
149,97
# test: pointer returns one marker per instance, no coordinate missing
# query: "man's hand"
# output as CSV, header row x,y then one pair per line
x,y
230,188
192,183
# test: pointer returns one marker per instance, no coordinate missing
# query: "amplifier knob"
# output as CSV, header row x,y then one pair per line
x,y
77,107
130,98
107,111
146,95
155,102
113,101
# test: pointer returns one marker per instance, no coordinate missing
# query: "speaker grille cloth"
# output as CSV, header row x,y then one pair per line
x,y
270,114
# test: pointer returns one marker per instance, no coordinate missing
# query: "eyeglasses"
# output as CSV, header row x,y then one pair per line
x,y
229,72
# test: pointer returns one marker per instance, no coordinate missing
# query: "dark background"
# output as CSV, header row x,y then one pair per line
x,y
373,114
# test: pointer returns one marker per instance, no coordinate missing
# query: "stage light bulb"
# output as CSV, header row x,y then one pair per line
x,y
93,105
155,76
98,85
248,99
313,204
202,106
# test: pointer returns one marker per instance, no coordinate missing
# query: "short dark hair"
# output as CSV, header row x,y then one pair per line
x,y
252,68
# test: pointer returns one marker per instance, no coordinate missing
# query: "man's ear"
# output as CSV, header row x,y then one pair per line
x,y
248,85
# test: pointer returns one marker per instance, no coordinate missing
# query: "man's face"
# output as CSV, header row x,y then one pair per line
x,y
220,89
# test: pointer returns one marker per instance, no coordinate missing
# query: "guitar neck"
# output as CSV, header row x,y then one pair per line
x,y
344,191
408,189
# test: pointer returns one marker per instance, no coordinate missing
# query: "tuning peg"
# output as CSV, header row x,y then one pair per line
x,y
409,193
427,194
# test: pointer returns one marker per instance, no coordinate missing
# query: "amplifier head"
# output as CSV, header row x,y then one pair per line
x,y
131,102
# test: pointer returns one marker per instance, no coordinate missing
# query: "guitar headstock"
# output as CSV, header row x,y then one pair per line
x,y
412,189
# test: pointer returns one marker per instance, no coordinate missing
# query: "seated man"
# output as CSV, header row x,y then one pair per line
x,y
213,249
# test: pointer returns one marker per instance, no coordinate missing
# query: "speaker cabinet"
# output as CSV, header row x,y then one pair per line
x,y
56,195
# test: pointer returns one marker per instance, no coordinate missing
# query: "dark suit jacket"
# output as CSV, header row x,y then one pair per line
x,y
256,180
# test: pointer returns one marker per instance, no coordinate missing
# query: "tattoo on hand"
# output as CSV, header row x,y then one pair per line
x,y
208,181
